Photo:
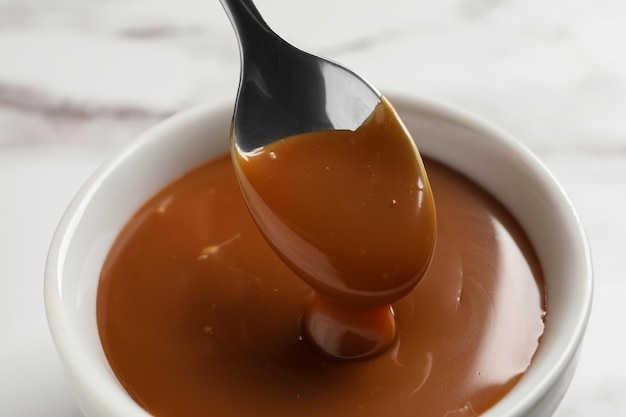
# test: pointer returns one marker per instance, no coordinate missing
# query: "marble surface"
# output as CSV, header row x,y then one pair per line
x,y
79,78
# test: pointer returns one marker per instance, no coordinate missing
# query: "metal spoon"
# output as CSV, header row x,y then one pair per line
x,y
284,91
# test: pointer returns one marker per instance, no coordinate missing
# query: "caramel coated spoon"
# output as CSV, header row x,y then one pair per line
x,y
334,182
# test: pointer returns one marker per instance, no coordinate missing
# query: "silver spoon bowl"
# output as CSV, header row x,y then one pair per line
x,y
284,91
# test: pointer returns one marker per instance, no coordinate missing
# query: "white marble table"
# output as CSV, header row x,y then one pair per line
x,y
80,78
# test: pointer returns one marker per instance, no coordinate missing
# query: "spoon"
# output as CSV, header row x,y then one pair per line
x,y
337,205
284,91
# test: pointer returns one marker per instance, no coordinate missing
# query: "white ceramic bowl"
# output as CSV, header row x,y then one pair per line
x,y
485,154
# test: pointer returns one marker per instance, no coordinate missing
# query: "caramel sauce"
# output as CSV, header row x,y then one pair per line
x,y
198,315
352,214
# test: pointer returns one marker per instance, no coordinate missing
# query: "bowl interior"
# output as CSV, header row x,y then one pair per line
x,y
489,157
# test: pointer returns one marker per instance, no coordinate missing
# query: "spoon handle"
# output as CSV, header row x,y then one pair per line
x,y
285,91
247,22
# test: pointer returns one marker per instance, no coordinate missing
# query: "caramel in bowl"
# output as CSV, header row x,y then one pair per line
x,y
484,154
